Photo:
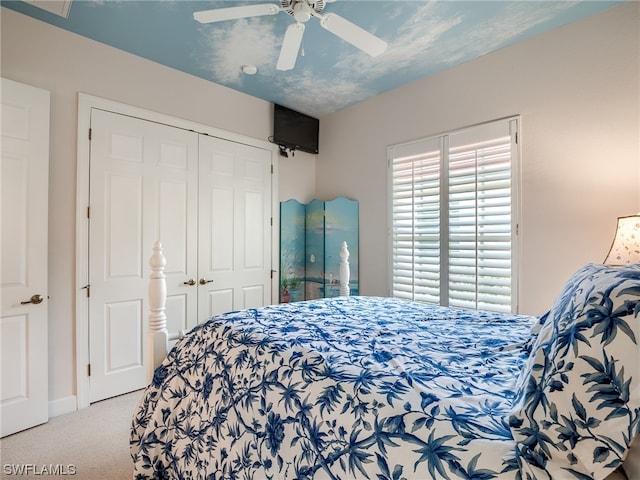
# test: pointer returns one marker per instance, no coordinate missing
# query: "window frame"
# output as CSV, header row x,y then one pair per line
x,y
514,125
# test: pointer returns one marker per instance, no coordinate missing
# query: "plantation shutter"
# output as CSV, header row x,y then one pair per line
x,y
416,221
480,218
452,218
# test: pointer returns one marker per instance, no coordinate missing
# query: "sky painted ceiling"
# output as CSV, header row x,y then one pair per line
x,y
424,38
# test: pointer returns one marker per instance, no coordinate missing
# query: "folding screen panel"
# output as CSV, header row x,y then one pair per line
x,y
311,236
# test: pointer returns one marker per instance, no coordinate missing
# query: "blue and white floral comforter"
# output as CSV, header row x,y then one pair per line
x,y
367,388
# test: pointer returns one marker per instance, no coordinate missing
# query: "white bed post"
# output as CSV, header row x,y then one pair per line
x,y
345,273
157,335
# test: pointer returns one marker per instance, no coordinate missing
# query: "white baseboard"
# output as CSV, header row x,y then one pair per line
x,y
62,405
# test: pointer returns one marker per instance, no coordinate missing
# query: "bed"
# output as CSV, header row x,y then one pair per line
x,y
386,389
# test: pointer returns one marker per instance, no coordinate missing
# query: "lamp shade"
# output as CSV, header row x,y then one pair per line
x,y
625,248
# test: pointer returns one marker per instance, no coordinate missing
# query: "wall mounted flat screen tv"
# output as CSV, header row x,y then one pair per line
x,y
295,130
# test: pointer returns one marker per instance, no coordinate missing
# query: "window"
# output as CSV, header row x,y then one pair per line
x,y
454,218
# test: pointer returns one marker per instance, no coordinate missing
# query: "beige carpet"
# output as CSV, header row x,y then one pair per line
x,y
93,442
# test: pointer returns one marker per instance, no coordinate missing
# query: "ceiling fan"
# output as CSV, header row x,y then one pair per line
x,y
301,11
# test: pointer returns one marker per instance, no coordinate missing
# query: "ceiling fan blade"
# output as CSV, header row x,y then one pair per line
x,y
233,13
352,33
290,46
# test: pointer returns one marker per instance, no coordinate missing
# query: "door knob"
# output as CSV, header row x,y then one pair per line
x,y
36,299
204,281
191,281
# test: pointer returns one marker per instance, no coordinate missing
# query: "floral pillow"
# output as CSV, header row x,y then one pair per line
x,y
527,347
577,402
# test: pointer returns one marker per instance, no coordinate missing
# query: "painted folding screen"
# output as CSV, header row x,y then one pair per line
x,y
310,239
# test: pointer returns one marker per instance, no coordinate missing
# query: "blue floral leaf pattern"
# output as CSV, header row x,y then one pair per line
x,y
580,384
384,389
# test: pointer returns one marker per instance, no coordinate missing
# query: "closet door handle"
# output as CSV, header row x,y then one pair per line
x,y
204,281
35,299
190,282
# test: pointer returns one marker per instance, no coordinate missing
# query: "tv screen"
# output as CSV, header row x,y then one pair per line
x,y
295,130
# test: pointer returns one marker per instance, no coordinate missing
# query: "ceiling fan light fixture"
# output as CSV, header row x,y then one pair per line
x,y
302,12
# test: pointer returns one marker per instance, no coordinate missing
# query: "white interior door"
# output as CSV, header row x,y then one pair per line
x,y
24,231
234,248
143,188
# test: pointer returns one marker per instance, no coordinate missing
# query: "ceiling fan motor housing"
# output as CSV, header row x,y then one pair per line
x,y
301,9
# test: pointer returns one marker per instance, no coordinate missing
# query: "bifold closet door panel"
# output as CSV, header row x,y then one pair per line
x,y
234,247
143,188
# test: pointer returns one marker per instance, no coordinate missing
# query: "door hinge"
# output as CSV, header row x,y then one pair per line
x,y
88,370
271,221
271,169
88,212
90,134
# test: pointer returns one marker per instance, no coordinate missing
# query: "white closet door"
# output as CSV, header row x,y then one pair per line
x,y
143,188
24,239
234,251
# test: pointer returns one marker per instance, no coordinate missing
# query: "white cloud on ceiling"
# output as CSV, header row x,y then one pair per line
x,y
345,84
320,95
432,24
233,44
515,20
412,41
